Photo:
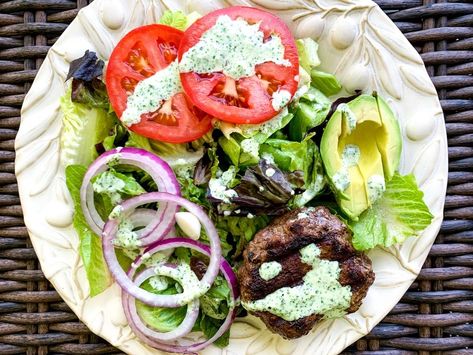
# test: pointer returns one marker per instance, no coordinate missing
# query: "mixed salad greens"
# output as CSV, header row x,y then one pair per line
x,y
241,174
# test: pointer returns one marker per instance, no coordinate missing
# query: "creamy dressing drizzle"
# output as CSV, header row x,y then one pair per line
x,y
348,115
218,186
350,157
320,292
126,237
183,274
280,99
376,186
269,270
233,47
107,183
151,92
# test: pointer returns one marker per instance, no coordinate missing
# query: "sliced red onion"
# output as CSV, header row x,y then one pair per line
x,y
129,304
110,231
225,269
159,171
141,217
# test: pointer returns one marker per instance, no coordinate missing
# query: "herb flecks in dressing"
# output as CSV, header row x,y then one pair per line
x,y
126,237
350,158
107,183
320,292
183,274
280,99
151,93
348,115
376,186
269,270
233,47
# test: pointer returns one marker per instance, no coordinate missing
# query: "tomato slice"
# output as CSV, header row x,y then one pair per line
x,y
249,99
139,55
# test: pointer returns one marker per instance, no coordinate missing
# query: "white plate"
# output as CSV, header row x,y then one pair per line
x,y
358,43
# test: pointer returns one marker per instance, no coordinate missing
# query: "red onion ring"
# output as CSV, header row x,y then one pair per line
x,y
127,284
160,172
227,272
184,328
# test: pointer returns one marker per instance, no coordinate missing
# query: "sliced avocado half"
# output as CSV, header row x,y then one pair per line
x,y
361,148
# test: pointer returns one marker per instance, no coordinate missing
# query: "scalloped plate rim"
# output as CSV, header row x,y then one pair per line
x,y
127,342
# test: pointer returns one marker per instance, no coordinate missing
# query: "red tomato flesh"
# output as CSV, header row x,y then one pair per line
x,y
140,54
249,99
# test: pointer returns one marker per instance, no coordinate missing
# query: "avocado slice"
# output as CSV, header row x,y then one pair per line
x,y
361,149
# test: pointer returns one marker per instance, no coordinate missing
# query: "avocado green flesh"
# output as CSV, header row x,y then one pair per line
x,y
377,136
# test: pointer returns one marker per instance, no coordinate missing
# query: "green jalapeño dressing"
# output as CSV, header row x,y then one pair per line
x,y
233,47
320,292
107,183
150,94
269,270
350,158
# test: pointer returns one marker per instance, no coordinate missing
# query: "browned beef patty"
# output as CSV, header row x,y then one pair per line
x,y
281,242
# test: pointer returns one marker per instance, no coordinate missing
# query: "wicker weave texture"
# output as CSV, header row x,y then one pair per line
x,y
432,318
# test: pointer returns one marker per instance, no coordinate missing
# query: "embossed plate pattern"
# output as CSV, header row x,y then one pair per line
x,y
357,42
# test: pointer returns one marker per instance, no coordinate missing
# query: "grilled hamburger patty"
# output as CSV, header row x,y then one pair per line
x,y
281,241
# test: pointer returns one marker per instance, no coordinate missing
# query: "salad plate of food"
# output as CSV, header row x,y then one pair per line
x,y
237,177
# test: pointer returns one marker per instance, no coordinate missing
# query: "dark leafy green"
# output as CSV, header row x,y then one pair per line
x,y
86,68
264,190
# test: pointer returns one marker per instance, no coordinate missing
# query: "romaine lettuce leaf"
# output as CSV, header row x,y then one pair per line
x,y
83,128
90,248
241,142
161,319
310,111
210,326
399,214
325,82
308,57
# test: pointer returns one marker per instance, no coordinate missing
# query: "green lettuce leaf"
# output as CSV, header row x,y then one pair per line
x,y
181,157
310,111
290,156
399,214
161,319
325,82
176,19
240,229
241,142
308,57
214,303
83,128
90,248
303,160
113,183
315,182
210,326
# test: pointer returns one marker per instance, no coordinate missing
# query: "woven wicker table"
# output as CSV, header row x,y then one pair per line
x,y
434,316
